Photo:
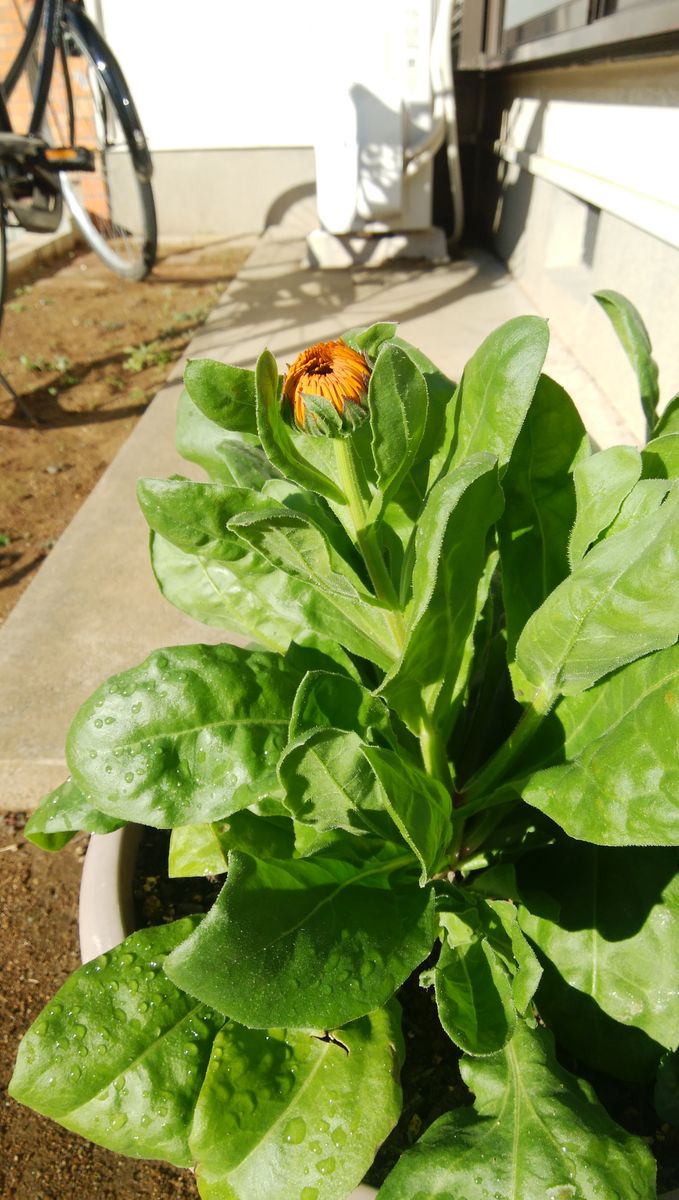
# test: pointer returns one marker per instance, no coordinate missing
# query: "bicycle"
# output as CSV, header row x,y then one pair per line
x,y
85,144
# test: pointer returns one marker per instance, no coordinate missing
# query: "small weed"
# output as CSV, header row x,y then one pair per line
x,y
142,356
5,539
193,316
40,364
22,291
17,307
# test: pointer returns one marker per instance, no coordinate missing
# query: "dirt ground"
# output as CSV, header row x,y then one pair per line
x,y
38,934
86,352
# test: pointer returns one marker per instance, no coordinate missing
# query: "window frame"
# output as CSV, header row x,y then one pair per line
x,y
647,29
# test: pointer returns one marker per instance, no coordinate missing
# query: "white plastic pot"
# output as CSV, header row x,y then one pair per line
x,y
106,914
106,909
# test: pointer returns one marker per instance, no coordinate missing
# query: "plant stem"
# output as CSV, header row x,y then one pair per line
x,y
497,765
365,536
434,756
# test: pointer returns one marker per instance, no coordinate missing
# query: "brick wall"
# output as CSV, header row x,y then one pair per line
x,y
13,17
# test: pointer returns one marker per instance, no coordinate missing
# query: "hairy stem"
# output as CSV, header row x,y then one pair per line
x,y
488,776
365,537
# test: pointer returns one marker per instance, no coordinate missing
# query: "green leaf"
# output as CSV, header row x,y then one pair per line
x,y
668,421
636,343
601,484
646,497
661,457
62,814
608,919
328,700
251,597
226,457
308,943
496,389
183,738
225,394
539,509
617,605
310,1124
334,780
119,1054
277,440
370,339
619,783
584,1030
194,516
397,400
450,557
257,603
474,996
263,836
195,850
419,806
486,971
535,1133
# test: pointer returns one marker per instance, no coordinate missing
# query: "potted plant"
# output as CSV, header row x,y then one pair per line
x,y
450,754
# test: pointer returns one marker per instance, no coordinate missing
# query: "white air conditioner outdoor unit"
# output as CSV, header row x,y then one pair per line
x,y
384,97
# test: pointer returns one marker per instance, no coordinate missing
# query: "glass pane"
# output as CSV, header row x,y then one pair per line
x,y
526,20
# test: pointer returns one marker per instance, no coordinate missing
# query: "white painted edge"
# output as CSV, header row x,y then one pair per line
x,y
106,913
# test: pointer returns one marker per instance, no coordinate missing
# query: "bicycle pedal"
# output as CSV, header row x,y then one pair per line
x,y
69,158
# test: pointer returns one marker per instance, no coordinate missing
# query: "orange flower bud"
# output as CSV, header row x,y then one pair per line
x,y
326,389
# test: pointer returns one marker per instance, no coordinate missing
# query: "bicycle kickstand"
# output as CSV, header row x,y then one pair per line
x,y
20,404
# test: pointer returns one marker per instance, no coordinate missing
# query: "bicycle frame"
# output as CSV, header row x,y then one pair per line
x,y
51,13
57,15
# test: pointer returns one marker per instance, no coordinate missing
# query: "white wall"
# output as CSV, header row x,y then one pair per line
x,y
220,73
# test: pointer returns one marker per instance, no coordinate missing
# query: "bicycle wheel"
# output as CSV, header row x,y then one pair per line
x,y
113,205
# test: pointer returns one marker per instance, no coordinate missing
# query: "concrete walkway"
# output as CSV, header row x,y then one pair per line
x,y
94,608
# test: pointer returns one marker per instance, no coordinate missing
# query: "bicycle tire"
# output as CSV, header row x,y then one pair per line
x,y
113,207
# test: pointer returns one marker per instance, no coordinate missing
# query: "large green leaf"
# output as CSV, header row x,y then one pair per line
x,y
645,498
668,421
250,597
619,783
617,605
369,339
601,484
535,1133
119,1054
450,557
608,919
397,399
285,1114
258,603
276,438
308,943
496,389
62,814
225,394
636,343
186,736
539,509
226,457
